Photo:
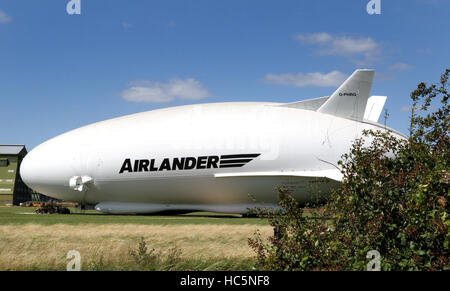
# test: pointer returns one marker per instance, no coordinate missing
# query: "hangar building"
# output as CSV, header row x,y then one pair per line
x,y
12,189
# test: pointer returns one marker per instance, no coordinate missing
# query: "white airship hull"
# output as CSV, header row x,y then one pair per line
x,y
221,157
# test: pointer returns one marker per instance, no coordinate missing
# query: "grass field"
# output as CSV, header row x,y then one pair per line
x,y
23,215
197,241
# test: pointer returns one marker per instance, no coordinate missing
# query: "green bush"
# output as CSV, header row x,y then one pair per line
x,y
393,199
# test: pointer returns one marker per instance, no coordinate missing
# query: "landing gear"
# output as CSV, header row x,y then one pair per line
x,y
51,208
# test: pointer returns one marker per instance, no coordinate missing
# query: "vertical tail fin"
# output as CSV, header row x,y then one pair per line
x,y
350,99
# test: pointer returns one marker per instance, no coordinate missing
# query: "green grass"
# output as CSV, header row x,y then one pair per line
x,y
23,246
95,264
25,215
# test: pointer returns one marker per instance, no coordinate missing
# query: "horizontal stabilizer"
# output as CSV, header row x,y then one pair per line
x,y
374,107
311,104
350,99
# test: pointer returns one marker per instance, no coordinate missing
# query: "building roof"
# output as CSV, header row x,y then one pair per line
x,y
11,149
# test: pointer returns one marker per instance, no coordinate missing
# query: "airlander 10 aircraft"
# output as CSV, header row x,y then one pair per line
x,y
219,157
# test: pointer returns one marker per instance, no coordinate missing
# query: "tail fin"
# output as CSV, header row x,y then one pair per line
x,y
350,99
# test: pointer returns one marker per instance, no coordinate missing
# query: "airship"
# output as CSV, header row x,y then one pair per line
x,y
217,157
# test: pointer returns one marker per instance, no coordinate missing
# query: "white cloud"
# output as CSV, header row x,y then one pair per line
x,y
342,45
385,76
4,18
393,71
331,79
127,25
314,38
401,67
155,92
424,51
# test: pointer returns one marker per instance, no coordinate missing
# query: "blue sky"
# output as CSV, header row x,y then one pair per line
x,y
59,72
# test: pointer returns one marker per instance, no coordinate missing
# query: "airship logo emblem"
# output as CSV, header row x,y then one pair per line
x,y
187,163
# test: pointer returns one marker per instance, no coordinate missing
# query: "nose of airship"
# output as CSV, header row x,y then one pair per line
x,y
28,171
36,170
43,170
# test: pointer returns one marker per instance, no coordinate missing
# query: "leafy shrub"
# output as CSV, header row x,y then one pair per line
x,y
393,199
